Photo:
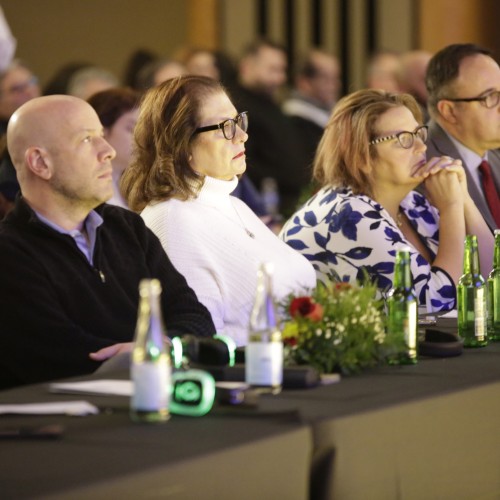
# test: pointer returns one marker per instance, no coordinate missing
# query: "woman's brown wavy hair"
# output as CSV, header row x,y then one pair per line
x,y
160,168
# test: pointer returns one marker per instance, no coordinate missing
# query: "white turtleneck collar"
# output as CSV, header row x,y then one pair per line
x,y
216,191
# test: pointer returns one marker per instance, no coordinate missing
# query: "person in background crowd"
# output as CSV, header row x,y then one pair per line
x,y
212,63
159,71
118,109
71,264
90,80
18,85
411,77
137,60
317,89
275,148
463,83
382,71
190,150
58,83
371,157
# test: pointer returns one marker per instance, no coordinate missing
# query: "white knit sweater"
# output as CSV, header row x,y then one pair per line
x,y
207,241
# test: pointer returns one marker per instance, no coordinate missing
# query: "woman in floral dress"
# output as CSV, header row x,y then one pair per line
x,y
369,161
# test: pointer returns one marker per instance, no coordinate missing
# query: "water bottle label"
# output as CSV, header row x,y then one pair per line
x,y
152,386
264,363
479,315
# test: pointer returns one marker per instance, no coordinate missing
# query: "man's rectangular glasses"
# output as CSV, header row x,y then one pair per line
x,y
228,126
405,139
489,100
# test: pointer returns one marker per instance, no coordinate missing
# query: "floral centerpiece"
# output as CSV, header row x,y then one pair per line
x,y
340,327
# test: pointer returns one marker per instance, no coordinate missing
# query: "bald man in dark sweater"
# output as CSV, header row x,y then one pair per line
x,y
70,264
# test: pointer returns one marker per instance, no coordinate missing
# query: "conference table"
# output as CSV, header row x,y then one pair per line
x,y
430,431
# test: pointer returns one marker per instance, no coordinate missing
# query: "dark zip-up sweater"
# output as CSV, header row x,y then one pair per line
x,y
56,308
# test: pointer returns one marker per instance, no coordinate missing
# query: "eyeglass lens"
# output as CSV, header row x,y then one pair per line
x,y
229,126
406,139
491,100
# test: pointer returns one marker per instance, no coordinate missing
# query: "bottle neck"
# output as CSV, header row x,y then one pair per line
x,y
402,271
263,316
471,256
149,321
496,254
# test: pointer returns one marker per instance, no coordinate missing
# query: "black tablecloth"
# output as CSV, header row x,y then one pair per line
x,y
423,431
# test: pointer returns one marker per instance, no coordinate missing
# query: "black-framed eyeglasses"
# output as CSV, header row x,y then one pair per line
x,y
228,126
489,100
405,139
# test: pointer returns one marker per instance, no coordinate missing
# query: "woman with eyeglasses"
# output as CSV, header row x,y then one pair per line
x,y
190,150
369,161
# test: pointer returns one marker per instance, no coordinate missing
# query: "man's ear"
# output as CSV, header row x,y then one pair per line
x,y
38,162
447,111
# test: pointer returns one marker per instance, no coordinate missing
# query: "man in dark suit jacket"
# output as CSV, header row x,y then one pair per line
x,y
463,83
274,148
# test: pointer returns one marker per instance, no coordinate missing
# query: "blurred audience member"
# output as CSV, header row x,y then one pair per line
x,y
18,85
212,63
382,70
317,88
136,61
202,62
58,83
411,76
157,72
275,149
117,109
463,82
90,80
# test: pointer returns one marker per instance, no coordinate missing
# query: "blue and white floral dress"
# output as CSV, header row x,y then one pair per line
x,y
345,236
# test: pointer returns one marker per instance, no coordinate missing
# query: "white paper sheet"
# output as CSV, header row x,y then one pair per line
x,y
73,408
95,387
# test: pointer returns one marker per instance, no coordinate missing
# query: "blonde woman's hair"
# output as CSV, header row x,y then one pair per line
x,y
344,156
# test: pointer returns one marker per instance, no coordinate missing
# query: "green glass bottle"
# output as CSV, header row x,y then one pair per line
x,y
494,293
402,310
471,298
264,351
151,365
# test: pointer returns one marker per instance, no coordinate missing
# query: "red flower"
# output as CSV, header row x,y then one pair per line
x,y
307,308
290,341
